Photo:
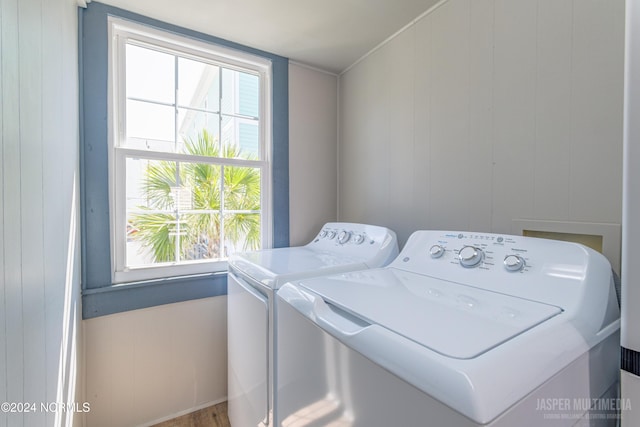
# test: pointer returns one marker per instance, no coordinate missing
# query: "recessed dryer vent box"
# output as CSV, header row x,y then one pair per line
x,y
602,237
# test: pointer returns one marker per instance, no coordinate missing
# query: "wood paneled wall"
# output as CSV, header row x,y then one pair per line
x,y
485,111
39,252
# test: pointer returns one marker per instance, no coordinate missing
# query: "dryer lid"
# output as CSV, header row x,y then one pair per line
x,y
451,319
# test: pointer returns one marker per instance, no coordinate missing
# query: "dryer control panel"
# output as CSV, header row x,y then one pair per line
x,y
357,240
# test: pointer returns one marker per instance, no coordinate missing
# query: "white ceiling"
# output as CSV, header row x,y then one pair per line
x,y
326,34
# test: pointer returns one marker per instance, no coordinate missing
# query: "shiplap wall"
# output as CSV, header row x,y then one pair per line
x,y
484,111
39,252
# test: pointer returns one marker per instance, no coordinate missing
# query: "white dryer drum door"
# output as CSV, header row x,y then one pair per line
x,y
247,330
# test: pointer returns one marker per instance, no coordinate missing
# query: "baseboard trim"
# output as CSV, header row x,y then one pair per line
x,y
181,413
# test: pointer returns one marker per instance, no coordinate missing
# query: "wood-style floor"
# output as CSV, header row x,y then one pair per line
x,y
213,416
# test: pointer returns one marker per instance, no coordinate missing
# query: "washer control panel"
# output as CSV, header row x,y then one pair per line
x,y
514,263
480,250
564,274
470,256
436,251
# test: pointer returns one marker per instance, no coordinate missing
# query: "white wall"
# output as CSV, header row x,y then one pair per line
x,y
485,111
39,251
144,366
313,134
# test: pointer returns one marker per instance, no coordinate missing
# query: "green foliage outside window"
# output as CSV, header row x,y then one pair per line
x,y
186,216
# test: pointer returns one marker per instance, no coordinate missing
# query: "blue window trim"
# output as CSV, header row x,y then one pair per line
x,y
99,296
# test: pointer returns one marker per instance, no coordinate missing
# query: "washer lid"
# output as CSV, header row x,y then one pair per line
x,y
454,320
272,266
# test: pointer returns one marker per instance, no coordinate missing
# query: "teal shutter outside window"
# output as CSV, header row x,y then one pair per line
x,y
248,95
248,138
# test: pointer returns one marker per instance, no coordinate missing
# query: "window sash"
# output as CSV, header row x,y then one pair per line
x,y
123,273
121,33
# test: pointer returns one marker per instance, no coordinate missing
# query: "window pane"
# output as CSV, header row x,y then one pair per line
x,y
198,85
242,232
150,184
228,96
201,239
248,95
135,169
240,93
151,238
242,205
150,126
152,225
150,74
172,219
241,189
240,137
192,125
204,181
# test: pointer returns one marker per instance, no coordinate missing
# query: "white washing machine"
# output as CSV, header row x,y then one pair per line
x,y
252,280
462,329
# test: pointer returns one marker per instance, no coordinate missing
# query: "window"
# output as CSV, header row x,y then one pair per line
x,y
101,294
189,167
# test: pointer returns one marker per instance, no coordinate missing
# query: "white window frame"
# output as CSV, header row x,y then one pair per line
x,y
120,32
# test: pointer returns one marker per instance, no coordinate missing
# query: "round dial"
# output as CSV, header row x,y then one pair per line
x,y
358,239
436,251
470,256
344,237
331,234
514,263
323,234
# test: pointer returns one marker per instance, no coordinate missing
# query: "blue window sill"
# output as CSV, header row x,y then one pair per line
x,y
133,296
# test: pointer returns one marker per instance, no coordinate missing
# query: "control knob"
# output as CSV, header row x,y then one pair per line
x,y
331,235
470,256
436,251
514,263
358,239
344,237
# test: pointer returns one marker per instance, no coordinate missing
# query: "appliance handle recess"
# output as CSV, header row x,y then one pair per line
x,y
331,318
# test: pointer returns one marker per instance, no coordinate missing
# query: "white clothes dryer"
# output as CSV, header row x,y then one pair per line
x,y
252,280
462,329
